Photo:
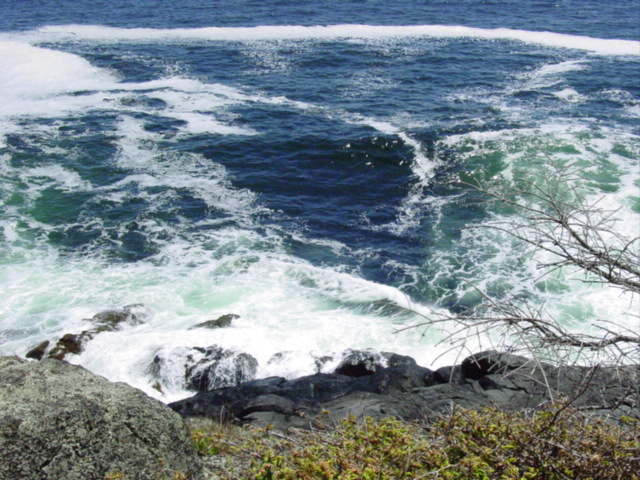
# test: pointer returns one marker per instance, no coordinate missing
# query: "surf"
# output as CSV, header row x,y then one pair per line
x,y
123,186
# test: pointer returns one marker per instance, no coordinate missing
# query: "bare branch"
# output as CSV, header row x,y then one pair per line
x,y
559,220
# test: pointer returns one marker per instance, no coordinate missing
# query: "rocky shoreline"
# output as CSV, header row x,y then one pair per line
x,y
61,421
364,385
358,382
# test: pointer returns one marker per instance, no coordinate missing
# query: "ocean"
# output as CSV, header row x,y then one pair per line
x,y
297,164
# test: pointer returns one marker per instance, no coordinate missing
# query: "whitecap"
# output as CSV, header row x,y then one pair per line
x,y
569,95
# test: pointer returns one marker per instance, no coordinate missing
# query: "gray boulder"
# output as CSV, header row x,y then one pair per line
x,y
59,421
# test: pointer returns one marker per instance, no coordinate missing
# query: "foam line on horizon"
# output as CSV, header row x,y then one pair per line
x,y
330,32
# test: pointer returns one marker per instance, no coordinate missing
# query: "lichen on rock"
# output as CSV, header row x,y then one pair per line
x,y
59,421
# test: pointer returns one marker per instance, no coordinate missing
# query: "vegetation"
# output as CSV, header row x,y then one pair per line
x,y
553,444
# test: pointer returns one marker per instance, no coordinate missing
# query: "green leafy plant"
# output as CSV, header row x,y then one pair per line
x,y
554,444
205,444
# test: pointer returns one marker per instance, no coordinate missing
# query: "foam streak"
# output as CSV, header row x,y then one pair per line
x,y
333,33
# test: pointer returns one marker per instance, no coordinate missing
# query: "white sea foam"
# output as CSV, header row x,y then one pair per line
x,y
277,297
34,81
626,99
559,68
546,76
43,82
205,179
569,95
209,273
29,70
193,277
202,123
492,263
328,33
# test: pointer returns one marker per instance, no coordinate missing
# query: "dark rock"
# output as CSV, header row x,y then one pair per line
x,y
359,363
59,421
409,391
227,403
439,399
112,320
306,393
319,388
269,402
278,420
70,344
369,404
484,363
74,343
402,379
450,374
395,360
220,322
38,352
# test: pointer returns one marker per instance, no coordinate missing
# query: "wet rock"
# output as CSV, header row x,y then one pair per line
x,y
450,374
409,391
112,320
227,403
395,360
359,363
203,369
278,357
219,367
304,361
59,421
402,379
220,322
269,403
321,361
74,343
39,351
169,366
70,344
312,390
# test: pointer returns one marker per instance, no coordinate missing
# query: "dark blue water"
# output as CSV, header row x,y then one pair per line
x,y
603,19
297,178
